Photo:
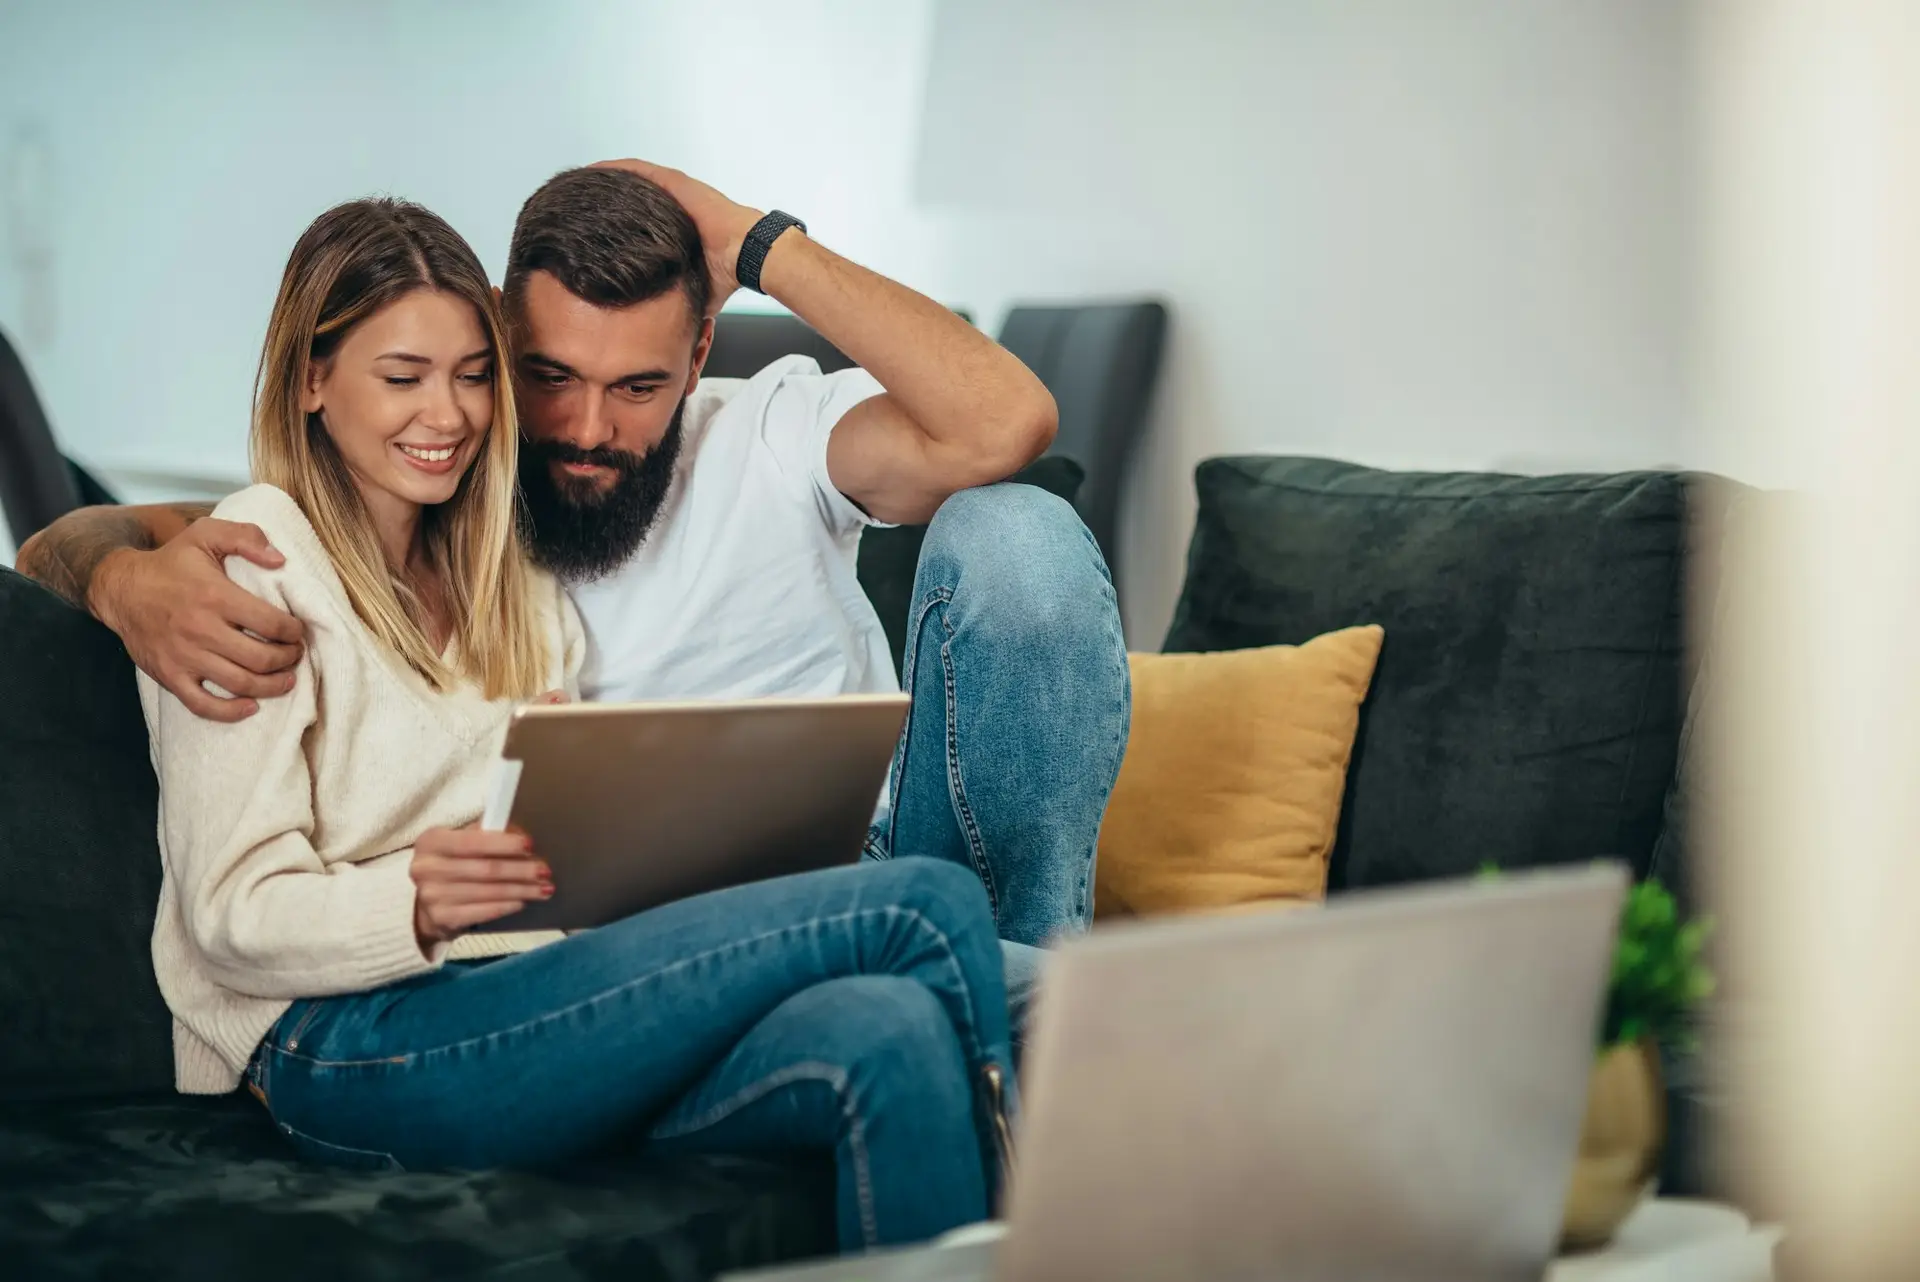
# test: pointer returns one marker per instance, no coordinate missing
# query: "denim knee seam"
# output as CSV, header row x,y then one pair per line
x,y
970,1033
1122,717
957,785
939,599
835,1078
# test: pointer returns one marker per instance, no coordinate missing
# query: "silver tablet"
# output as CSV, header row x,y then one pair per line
x,y
638,804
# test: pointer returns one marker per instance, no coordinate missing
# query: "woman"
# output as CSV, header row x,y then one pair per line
x,y
322,867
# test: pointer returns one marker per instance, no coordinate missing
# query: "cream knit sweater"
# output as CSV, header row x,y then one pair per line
x,y
286,839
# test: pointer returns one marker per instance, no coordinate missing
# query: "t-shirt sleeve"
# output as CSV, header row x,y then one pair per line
x,y
800,416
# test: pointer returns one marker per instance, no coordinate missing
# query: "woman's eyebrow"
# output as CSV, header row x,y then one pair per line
x,y
413,358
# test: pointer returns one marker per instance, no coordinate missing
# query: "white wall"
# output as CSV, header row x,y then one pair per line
x,y
1409,233
192,141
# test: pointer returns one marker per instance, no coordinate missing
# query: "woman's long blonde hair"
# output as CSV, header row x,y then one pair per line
x,y
353,260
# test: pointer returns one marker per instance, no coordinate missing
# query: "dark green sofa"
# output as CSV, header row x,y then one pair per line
x,y
1527,708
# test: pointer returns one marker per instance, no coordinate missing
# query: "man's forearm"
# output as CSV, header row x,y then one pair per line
x,y
959,386
66,555
960,409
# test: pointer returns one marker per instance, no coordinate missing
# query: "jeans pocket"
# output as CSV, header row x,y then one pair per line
x,y
338,1155
292,1023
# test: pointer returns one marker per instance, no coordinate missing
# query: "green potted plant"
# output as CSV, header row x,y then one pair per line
x,y
1658,980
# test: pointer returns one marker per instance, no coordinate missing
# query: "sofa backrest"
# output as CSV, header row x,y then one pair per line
x,y
79,860
1527,705
36,484
1101,362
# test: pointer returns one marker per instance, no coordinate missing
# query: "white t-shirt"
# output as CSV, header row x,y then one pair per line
x,y
745,586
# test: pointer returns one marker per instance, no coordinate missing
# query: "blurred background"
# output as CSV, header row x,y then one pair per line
x,y
1415,234
1572,235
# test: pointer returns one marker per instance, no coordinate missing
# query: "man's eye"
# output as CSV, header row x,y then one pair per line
x,y
638,389
550,380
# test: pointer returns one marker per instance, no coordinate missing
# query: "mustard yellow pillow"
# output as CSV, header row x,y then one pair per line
x,y
1230,789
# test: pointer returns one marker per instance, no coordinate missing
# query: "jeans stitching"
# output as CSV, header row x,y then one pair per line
x,y
971,1033
812,1071
300,1026
1123,716
393,1163
910,663
956,785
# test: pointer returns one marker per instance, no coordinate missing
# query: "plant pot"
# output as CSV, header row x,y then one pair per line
x,y
1620,1143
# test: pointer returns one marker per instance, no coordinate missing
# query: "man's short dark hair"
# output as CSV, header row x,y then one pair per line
x,y
610,237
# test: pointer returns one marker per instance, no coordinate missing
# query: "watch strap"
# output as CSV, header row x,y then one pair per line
x,y
759,241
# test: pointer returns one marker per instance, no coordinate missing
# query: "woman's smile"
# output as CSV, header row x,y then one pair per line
x,y
435,460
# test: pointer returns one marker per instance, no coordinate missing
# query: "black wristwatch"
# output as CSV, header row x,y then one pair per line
x,y
753,250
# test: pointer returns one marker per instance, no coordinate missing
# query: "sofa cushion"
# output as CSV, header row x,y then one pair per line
x,y
1526,705
890,555
194,1188
78,857
1230,791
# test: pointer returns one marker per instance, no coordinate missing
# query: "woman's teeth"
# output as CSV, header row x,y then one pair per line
x,y
428,456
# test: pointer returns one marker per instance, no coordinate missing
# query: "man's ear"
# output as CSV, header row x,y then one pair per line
x,y
702,348
310,399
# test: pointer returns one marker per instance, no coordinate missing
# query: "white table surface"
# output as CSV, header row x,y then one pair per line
x,y
1666,1240
1673,1239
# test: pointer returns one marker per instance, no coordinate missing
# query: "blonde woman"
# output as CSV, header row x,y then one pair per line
x,y
322,868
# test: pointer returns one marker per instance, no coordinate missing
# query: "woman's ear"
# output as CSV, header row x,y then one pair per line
x,y
310,399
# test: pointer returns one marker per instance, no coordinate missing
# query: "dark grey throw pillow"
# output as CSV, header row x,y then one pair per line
x,y
79,860
1527,702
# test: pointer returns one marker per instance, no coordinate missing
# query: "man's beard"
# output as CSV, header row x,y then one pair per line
x,y
579,530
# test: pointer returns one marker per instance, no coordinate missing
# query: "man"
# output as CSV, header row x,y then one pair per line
x,y
708,532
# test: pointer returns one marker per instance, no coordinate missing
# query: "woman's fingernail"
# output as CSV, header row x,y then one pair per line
x,y
546,891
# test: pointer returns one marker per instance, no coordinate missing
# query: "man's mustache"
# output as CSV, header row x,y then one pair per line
x,y
600,456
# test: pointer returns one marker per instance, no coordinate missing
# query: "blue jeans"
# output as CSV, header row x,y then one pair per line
x,y
1021,707
861,1010
857,1010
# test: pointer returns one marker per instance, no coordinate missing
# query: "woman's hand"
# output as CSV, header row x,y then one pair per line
x,y
465,877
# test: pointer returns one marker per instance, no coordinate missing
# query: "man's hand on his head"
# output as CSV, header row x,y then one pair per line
x,y
723,223
184,621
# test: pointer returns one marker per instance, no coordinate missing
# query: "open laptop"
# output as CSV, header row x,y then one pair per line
x,y
1391,1088
639,804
